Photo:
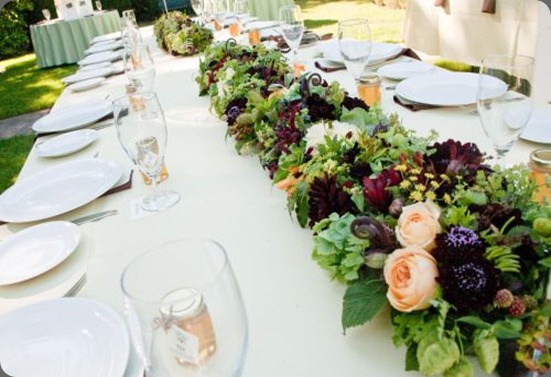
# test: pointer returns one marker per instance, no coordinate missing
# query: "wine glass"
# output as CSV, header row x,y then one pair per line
x,y
292,26
355,45
139,67
504,102
197,6
142,133
185,312
241,8
99,7
219,12
46,13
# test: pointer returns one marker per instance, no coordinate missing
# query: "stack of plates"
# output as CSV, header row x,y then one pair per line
x,y
444,89
72,117
379,51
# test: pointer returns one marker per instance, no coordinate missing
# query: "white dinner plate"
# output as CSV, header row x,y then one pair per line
x,y
404,70
66,143
538,128
71,117
87,75
115,45
106,38
379,51
93,67
86,84
100,57
445,89
58,189
37,249
65,337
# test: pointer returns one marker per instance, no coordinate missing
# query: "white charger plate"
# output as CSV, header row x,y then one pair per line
x,y
106,38
538,129
35,250
93,67
66,143
64,338
58,189
379,51
445,89
86,84
100,57
114,45
87,75
71,117
404,70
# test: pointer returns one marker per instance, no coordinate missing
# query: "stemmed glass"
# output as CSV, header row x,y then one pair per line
x,y
355,45
197,6
46,13
184,310
292,27
504,102
142,133
99,7
139,67
241,8
219,12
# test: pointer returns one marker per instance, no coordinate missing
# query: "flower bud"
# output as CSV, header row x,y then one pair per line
x,y
543,226
375,258
395,208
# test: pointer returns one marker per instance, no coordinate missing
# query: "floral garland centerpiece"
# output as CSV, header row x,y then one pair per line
x,y
458,249
176,33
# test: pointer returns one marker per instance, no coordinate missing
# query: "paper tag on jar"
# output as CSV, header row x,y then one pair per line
x,y
184,345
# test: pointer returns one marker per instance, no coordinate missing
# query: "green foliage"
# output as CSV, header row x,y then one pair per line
x,y
14,37
337,250
362,301
486,349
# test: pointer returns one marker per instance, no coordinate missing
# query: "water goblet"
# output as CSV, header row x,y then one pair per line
x,y
354,39
99,7
185,312
292,27
142,133
46,13
197,6
139,67
504,100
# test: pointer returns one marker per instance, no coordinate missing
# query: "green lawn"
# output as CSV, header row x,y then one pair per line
x,y
13,153
25,88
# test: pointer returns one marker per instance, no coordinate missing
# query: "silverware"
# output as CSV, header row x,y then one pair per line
x,y
77,287
94,217
102,126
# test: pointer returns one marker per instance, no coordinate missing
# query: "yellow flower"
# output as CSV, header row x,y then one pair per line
x,y
415,171
429,175
430,195
405,184
400,167
414,179
417,196
447,199
434,184
420,187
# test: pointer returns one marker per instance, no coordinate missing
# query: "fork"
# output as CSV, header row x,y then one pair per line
x,y
77,287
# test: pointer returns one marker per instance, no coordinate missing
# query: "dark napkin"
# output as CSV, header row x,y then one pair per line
x,y
413,106
328,69
125,186
489,6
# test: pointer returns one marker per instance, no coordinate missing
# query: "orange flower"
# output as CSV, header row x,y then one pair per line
x,y
411,277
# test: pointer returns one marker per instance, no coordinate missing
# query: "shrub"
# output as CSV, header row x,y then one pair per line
x,y
14,36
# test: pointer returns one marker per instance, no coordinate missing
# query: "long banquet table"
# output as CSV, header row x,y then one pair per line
x,y
293,308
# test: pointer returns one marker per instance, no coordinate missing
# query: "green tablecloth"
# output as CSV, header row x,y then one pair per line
x,y
62,42
267,9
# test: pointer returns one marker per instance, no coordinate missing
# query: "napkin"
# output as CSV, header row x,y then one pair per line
x,y
336,67
411,105
126,185
406,51
489,6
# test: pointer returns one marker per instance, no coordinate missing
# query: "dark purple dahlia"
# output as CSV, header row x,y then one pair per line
x,y
325,197
376,191
497,215
352,102
319,109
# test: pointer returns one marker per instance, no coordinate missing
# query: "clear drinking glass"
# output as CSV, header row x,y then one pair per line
x,y
504,100
129,17
142,133
241,8
139,67
355,45
292,26
46,13
185,312
219,12
197,6
98,5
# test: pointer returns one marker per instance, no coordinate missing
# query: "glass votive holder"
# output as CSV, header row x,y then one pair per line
x,y
540,164
254,36
369,89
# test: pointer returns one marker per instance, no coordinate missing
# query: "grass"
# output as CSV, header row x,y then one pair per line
x,y
13,153
25,88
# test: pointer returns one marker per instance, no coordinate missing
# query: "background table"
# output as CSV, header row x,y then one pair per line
x,y
293,308
267,10
63,42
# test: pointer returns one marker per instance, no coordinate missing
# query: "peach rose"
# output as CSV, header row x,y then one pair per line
x,y
418,225
411,277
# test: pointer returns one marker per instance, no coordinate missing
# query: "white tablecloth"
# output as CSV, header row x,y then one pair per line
x,y
294,310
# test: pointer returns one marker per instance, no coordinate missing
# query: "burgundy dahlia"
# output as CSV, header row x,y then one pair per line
x,y
319,109
376,191
351,103
325,197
